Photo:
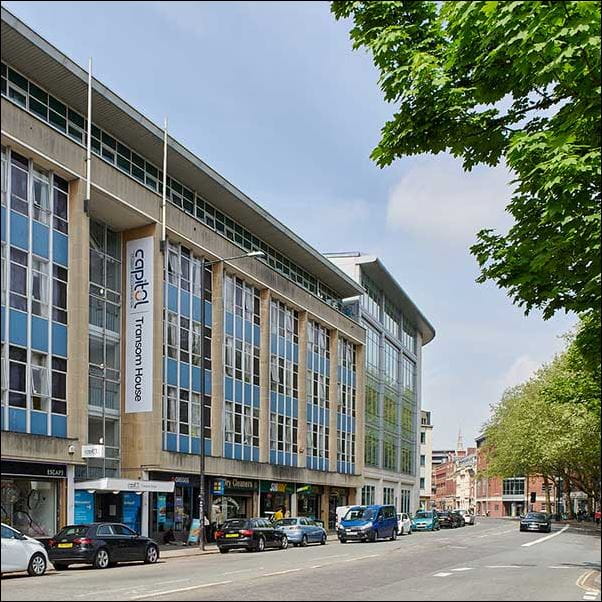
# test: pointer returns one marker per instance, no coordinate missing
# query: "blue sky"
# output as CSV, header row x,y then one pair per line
x,y
271,95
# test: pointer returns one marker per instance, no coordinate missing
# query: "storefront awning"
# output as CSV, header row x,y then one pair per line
x,y
110,484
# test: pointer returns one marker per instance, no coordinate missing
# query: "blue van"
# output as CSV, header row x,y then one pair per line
x,y
368,523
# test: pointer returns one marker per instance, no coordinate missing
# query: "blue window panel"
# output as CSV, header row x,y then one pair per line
x,y
288,406
60,248
19,230
228,450
229,323
339,372
273,402
184,375
39,423
2,311
248,391
248,330
195,444
39,334
273,342
286,460
196,379
196,308
172,372
309,462
40,239
295,353
59,339
172,297
185,303
256,334
207,447
327,365
238,325
208,382
238,451
208,313
255,454
17,327
289,350
2,425
17,420
58,425
256,396
248,453
3,224
229,388
238,391
184,444
273,457
295,460
171,442
309,358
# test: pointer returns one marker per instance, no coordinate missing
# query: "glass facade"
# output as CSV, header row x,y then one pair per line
x,y
318,394
346,416
368,495
186,359
241,369
59,116
34,272
284,384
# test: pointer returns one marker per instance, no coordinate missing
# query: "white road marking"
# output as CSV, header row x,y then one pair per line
x,y
441,574
464,568
362,557
562,567
457,547
503,566
171,581
532,543
280,573
181,589
241,571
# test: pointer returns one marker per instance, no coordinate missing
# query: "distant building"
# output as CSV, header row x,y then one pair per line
x,y
426,459
454,479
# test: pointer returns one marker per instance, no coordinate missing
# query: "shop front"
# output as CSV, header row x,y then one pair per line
x,y
309,501
275,495
34,497
231,498
338,496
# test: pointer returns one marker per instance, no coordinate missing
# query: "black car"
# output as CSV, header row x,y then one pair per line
x,y
536,521
449,519
251,534
100,544
460,518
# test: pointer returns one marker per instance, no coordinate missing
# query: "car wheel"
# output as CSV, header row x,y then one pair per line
x,y
342,540
549,529
284,543
410,531
323,540
59,566
394,535
101,559
37,565
260,547
304,541
152,555
374,536
223,550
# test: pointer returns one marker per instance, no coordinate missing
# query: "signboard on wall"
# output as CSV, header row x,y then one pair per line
x,y
139,325
84,507
93,451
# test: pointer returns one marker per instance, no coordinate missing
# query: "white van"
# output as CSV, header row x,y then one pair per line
x,y
341,511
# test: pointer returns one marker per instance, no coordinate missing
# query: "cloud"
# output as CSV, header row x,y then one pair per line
x,y
521,370
436,200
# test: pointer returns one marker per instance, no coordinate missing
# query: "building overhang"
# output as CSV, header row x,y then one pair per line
x,y
126,485
25,50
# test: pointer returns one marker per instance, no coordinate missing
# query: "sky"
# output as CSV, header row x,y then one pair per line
x,y
271,95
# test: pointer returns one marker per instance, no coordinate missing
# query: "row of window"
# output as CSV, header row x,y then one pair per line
x,y
43,105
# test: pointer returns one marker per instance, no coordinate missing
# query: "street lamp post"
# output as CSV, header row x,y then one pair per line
x,y
202,493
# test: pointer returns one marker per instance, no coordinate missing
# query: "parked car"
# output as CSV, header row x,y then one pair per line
x,y
459,517
426,520
302,531
368,523
101,545
251,534
340,513
22,553
449,520
469,517
536,521
404,524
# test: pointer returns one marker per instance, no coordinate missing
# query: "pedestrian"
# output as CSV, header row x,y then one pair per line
x,y
278,515
597,516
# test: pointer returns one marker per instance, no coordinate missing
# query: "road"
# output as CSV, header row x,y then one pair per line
x,y
489,561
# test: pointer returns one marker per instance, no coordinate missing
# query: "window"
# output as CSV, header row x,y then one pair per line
x,y
422,437
372,446
422,460
371,300
18,279
409,337
422,484
39,382
409,376
41,195
17,388
368,495
389,495
372,350
404,502
391,361
391,318
514,486
39,287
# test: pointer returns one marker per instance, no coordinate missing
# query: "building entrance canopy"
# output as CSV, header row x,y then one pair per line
x,y
109,484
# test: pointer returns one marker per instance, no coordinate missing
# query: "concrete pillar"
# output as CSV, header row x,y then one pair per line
x,y
333,399
70,514
217,360
302,419
360,408
78,308
294,504
264,377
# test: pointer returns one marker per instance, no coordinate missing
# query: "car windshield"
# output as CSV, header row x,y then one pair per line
x,y
423,515
360,514
235,523
536,516
286,521
73,531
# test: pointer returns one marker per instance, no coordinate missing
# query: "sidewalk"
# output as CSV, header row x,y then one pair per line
x,y
175,551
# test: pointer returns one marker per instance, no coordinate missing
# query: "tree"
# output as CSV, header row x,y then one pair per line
x,y
517,82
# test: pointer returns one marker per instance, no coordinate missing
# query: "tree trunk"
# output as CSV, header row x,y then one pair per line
x,y
547,486
568,505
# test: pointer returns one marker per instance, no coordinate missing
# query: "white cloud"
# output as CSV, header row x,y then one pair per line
x,y
521,370
435,199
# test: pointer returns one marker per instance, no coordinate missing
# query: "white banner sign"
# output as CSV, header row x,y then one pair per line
x,y
93,451
139,326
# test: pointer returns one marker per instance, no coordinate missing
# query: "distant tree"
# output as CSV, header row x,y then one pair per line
x,y
513,82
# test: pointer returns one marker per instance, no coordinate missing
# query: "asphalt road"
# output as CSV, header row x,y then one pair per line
x,y
489,561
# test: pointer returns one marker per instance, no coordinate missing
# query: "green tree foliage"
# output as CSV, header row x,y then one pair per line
x,y
517,82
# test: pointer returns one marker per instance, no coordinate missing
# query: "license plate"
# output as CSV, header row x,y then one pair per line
x,y
65,545
231,534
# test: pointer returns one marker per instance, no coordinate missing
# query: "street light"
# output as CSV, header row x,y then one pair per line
x,y
204,264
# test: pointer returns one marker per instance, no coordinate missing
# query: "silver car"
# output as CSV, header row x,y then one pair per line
x,y
301,531
469,518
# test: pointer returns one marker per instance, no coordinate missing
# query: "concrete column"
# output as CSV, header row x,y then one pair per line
x,y
294,504
360,408
264,377
333,399
324,508
78,308
70,514
217,360
302,419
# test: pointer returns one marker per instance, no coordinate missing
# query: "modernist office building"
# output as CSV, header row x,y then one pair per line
x,y
396,331
102,325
